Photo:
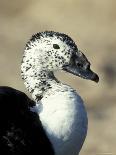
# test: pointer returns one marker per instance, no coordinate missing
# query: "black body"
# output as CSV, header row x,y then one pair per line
x,y
21,130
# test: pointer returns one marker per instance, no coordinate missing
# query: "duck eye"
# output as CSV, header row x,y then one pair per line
x,y
56,46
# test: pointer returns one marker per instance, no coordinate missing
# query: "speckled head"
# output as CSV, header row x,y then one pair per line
x,y
54,48
48,51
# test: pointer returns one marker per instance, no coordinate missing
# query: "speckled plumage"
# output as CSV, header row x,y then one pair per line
x,y
55,122
40,58
45,53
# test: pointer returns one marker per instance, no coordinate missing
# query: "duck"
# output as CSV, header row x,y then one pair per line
x,y
54,121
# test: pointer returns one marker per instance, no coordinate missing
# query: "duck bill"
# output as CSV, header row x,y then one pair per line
x,y
83,73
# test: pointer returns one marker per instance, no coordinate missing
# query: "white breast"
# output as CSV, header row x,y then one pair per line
x,y
64,119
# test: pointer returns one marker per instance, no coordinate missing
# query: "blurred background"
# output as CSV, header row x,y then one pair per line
x,y
92,25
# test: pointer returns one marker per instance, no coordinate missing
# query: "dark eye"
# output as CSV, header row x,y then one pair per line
x,y
56,46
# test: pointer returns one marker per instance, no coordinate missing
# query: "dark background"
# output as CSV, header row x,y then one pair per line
x,y
92,24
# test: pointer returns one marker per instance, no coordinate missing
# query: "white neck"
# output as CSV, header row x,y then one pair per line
x,y
62,111
38,81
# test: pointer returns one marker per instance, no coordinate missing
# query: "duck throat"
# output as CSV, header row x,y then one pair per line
x,y
37,81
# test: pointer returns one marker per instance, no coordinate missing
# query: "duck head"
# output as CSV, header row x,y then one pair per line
x,y
47,52
57,51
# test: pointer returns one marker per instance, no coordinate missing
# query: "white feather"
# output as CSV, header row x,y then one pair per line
x,y
64,119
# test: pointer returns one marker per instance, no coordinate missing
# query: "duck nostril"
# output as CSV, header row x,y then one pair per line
x,y
79,64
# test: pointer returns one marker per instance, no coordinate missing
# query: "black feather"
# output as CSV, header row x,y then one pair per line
x,y
21,130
